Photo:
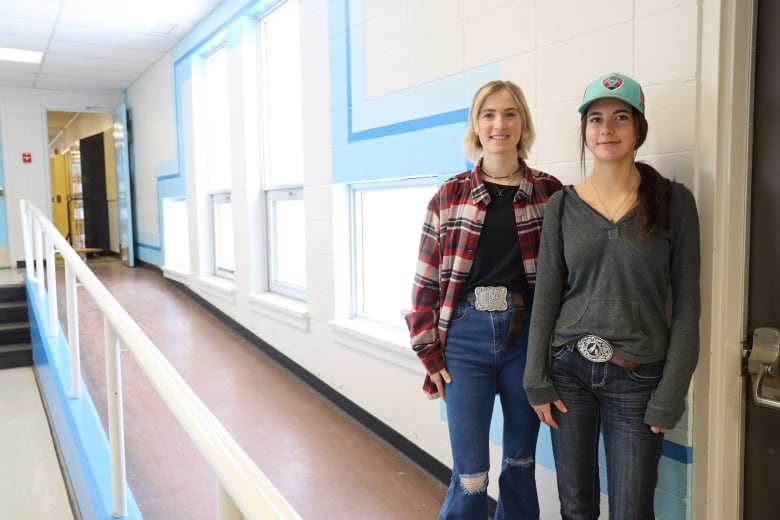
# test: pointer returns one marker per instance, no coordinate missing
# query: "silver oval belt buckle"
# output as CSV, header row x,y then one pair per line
x,y
490,298
594,348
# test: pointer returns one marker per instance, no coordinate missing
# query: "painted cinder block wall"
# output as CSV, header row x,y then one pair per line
x,y
386,87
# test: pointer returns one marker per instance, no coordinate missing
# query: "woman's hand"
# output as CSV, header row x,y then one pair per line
x,y
439,379
658,429
544,412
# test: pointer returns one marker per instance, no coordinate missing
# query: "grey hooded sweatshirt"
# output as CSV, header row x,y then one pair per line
x,y
598,277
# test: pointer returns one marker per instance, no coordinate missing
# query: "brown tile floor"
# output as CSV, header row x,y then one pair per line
x,y
326,466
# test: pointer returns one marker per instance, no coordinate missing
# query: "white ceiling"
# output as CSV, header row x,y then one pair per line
x,y
99,46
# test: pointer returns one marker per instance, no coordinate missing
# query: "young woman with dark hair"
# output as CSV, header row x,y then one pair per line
x,y
614,336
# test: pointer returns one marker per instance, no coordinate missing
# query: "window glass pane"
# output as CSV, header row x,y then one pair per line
x,y
289,256
217,130
282,145
176,232
224,261
282,106
387,238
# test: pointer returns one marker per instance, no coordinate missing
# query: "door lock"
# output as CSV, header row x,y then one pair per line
x,y
764,366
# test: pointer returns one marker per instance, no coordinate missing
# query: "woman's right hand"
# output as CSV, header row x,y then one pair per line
x,y
544,412
439,379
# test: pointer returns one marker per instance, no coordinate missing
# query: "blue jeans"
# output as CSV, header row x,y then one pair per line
x,y
603,396
481,366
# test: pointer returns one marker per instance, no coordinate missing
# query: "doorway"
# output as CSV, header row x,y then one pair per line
x,y
762,406
83,180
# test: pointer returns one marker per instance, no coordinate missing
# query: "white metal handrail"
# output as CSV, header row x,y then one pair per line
x,y
243,491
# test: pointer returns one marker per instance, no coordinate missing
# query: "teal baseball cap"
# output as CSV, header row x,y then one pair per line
x,y
614,85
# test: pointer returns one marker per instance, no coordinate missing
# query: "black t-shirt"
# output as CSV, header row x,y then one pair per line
x,y
498,260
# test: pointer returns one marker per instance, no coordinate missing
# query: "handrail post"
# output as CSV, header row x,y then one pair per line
x,y
39,234
28,256
72,306
116,429
51,285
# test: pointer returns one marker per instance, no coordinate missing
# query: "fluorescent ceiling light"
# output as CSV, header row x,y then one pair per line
x,y
20,55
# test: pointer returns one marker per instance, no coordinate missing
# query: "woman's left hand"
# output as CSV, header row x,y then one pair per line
x,y
658,429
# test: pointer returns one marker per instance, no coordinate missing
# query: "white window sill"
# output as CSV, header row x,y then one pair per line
x,y
176,273
377,340
281,308
218,287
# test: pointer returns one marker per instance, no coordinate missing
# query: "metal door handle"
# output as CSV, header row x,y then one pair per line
x,y
764,360
757,397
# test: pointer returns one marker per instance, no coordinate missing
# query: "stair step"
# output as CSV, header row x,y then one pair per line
x,y
13,311
13,293
15,346
16,355
15,332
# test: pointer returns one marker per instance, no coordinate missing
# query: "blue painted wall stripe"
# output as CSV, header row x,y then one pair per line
x,y
82,441
404,127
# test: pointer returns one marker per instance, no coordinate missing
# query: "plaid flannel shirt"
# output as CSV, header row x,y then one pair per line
x,y
450,236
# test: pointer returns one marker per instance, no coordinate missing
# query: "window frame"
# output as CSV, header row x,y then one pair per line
x,y
356,223
275,190
276,285
218,47
216,199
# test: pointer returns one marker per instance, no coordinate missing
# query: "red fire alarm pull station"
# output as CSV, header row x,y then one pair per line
x,y
26,157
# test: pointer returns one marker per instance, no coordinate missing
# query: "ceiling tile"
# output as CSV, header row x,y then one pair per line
x,y
104,51
26,27
21,42
93,45
31,9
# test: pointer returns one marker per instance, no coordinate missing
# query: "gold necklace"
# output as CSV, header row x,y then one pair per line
x,y
503,176
625,198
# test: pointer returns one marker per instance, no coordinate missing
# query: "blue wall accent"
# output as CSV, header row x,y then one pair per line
x,y
83,443
417,131
170,182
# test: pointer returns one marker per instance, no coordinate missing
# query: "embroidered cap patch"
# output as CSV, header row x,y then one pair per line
x,y
612,83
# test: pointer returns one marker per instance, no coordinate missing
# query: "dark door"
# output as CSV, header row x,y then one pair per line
x,y
762,417
93,185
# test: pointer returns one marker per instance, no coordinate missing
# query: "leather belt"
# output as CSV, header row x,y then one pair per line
x,y
623,363
494,298
598,350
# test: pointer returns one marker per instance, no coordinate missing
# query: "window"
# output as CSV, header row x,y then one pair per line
x,y
176,233
222,218
286,232
217,153
282,145
387,221
217,123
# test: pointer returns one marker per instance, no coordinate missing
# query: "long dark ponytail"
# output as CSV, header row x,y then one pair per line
x,y
654,199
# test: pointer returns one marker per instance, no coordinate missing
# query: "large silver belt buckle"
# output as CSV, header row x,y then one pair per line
x,y
594,348
490,298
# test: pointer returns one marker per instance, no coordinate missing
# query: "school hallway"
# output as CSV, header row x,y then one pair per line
x,y
325,464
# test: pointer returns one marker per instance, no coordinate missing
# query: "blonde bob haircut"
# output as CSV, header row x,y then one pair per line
x,y
471,144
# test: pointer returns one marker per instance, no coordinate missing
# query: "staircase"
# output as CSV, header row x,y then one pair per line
x,y
15,346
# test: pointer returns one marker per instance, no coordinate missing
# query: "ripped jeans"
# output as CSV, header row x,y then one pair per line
x,y
481,367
